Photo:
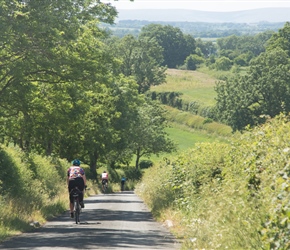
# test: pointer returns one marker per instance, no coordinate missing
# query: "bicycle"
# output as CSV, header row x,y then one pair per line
x,y
104,186
77,206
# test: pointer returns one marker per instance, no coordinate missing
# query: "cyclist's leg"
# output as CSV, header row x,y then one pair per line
x,y
103,185
71,185
81,186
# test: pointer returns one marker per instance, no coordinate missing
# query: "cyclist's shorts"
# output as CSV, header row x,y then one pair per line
x,y
76,182
104,181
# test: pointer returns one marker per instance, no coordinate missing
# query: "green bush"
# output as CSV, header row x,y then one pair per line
x,y
223,63
155,189
145,164
192,61
207,120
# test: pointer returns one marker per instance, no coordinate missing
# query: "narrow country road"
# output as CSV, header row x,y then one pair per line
x,y
109,221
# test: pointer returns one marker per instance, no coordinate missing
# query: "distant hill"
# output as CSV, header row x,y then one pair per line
x,y
181,15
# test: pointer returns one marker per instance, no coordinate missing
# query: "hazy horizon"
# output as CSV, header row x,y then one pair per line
x,y
204,5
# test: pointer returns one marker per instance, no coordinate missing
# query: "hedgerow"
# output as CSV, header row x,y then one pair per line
x,y
228,196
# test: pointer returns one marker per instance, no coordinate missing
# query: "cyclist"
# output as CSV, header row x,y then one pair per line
x,y
76,178
123,180
105,179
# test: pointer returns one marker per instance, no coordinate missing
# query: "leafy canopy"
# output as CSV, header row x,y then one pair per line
x,y
263,91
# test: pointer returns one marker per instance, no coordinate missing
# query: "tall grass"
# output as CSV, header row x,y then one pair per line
x,y
32,189
197,122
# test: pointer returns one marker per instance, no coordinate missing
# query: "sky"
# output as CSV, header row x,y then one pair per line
x,y
204,5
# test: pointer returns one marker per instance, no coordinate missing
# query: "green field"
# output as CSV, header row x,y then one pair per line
x,y
187,129
194,86
186,139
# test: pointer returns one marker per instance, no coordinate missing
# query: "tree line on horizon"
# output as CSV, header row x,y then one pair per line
x,y
203,30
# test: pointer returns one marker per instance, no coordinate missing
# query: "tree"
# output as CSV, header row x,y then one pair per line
x,y
223,63
49,60
263,91
241,60
232,107
118,121
176,46
281,39
246,46
192,61
37,42
228,43
148,135
141,58
207,48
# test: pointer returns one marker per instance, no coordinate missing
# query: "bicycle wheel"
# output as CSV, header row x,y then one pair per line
x,y
77,211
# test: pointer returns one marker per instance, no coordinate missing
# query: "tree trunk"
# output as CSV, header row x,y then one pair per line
x,y
93,165
137,159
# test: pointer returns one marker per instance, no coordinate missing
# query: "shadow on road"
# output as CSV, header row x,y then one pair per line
x,y
100,228
85,238
109,215
111,201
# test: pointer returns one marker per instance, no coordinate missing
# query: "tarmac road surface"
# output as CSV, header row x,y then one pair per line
x,y
108,221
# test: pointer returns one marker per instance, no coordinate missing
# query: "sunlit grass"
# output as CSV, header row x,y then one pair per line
x,y
220,74
194,86
185,138
188,121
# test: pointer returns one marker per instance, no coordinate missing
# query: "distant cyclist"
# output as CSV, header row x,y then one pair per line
x,y
76,178
105,180
123,180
